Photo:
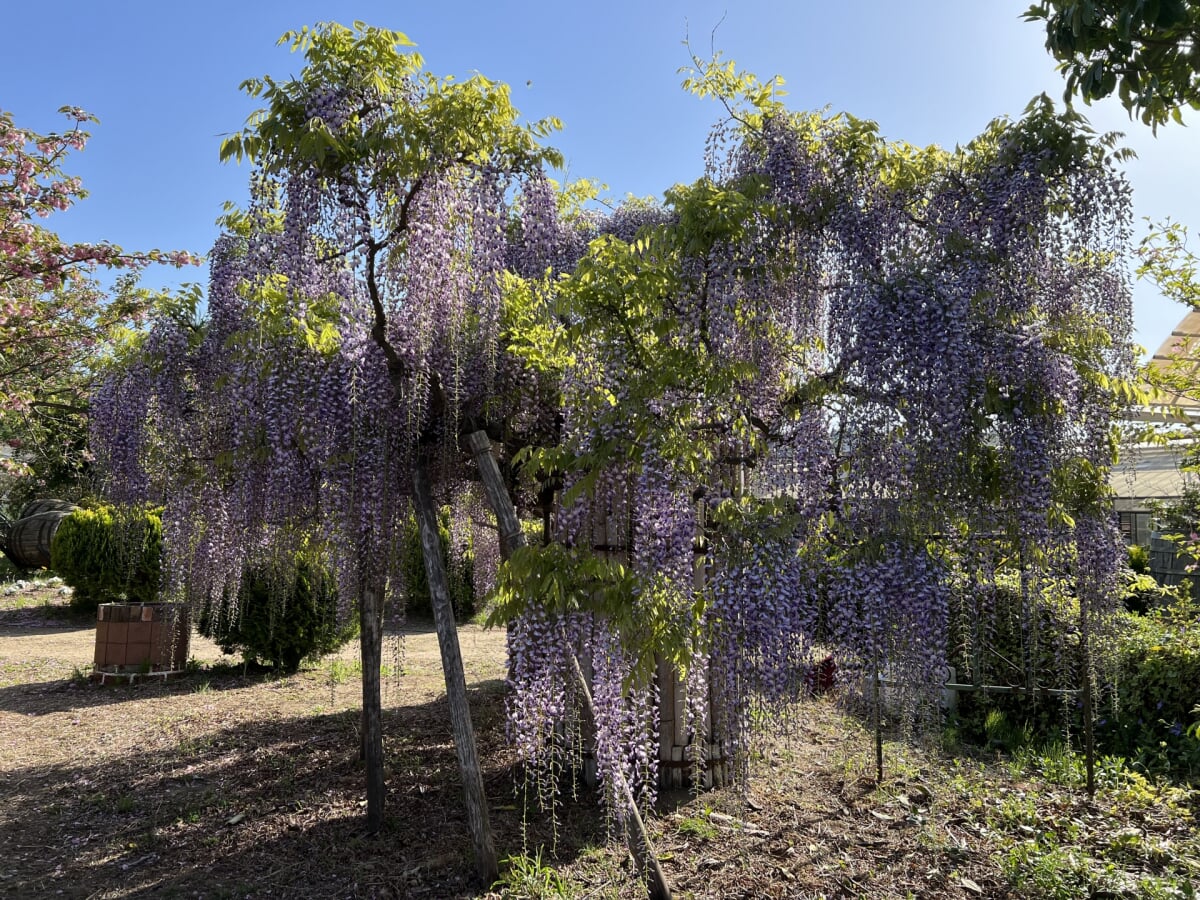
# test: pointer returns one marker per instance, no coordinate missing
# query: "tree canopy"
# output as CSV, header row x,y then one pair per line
x,y
829,394
1146,51
54,314
352,332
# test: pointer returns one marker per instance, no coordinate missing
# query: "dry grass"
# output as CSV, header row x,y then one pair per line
x,y
239,784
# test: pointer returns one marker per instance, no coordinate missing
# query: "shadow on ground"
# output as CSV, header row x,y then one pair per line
x,y
77,693
45,619
273,808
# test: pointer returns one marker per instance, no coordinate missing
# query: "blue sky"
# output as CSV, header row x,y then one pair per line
x,y
163,79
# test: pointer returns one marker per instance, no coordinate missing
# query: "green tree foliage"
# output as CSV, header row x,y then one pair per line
x,y
1156,722
107,554
281,616
459,563
1146,51
54,315
1167,260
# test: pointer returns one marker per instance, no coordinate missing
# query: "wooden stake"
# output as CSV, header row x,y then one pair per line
x,y
456,682
637,839
371,643
877,716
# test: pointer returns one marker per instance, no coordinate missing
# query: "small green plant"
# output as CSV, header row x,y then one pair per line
x,y
528,878
1129,845
203,687
1016,811
698,827
1003,734
108,554
1053,761
1047,873
342,670
1138,559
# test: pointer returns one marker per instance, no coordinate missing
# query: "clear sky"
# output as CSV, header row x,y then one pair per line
x,y
163,79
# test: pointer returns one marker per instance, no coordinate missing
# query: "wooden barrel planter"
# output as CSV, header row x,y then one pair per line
x,y
36,507
28,540
140,641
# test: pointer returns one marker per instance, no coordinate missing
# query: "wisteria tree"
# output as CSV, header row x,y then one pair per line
x,y
852,377
53,313
818,396
351,337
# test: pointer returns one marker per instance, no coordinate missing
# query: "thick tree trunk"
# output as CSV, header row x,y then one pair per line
x,y
637,839
456,682
371,638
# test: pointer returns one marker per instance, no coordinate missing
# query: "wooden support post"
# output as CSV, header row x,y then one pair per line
x,y
636,837
511,535
371,641
456,682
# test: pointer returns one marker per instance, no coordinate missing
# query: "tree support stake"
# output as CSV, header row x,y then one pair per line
x,y
456,683
637,839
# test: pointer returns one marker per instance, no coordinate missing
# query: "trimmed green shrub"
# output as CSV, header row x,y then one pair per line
x,y
1138,559
107,555
1156,720
281,617
460,569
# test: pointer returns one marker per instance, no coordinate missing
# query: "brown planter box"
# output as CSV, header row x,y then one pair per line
x,y
141,639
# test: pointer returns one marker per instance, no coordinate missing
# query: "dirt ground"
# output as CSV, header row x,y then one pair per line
x,y
226,783
233,783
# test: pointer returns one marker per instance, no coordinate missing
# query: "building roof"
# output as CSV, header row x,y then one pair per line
x,y
1150,472
1178,357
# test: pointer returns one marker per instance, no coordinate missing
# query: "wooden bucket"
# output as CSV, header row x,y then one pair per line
x,y
29,538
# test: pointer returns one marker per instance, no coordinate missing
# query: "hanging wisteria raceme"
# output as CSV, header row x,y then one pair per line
x,y
626,721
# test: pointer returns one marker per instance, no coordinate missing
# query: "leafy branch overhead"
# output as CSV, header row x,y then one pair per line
x,y
1147,52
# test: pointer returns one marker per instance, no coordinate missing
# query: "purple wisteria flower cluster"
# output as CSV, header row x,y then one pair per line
x,y
821,393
